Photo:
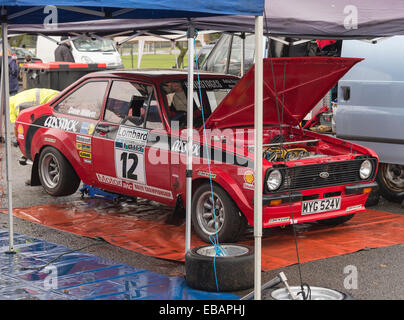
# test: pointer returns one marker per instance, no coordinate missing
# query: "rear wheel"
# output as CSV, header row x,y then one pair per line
x,y
56,174
390,178
217,215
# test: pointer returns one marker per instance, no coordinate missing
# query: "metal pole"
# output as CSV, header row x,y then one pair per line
x,y
242,57
190,116
258,140
6,107
131,54
2,111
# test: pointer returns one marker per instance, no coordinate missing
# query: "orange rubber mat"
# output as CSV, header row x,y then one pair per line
x,y
149,228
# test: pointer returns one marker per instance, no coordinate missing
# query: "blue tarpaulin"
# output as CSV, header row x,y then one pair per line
x,y
79,275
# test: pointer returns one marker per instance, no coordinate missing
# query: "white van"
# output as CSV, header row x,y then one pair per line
x,y
371,107
84,51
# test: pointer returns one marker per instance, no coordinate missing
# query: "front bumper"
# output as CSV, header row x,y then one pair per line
x,y
286,208
297,196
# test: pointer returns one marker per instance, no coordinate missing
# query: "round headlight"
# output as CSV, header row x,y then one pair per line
x,y
86,59
366,169
274,180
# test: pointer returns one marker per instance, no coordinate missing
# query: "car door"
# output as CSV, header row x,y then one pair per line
x,y
82,109
121,141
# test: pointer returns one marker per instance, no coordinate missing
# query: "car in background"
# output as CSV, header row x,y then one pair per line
x,y
203,53
84,50
370,107
22,53
125,132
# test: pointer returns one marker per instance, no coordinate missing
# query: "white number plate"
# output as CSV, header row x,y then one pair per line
x,y
323,205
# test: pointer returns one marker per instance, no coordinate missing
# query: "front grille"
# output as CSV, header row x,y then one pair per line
x,y
308,177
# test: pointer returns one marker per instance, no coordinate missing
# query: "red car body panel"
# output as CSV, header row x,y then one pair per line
x,y
304,81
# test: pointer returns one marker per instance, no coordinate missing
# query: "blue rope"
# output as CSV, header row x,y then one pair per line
x,y
219,251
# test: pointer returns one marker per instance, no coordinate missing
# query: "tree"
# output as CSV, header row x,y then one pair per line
x,y
180,59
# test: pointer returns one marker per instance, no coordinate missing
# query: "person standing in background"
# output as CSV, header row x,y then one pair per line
x,y
13,74
64,51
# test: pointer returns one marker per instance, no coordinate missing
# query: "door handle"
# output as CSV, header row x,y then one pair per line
x,y
102,129
346,93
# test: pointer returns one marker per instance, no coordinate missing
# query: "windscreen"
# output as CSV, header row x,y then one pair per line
x,y
212,92
97,45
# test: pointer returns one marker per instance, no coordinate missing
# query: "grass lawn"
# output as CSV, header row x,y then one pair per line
x,y
152,61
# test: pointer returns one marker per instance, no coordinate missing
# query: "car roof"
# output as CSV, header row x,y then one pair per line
x,y
156,74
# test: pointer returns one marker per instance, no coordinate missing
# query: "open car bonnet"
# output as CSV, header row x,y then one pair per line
x,y
300,83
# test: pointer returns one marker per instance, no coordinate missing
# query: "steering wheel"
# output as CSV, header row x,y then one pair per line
x,y
135,120
180,115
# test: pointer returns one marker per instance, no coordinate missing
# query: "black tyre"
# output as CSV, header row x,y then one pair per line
x,y
56,174
223,219
336,221
390,178
233,272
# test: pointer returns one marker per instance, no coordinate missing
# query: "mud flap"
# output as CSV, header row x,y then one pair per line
x,y
35,173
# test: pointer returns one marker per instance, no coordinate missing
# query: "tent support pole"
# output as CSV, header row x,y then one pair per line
x,y
190,116
6,107
242,56
258,140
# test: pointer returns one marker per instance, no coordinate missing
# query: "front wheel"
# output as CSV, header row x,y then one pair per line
x,y
56,174
390,178
216,215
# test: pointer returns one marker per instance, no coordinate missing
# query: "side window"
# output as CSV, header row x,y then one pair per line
x,y
235,56
127,100
217,60
153,115
86,101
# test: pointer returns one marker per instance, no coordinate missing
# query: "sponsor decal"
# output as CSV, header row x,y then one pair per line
x,y
83,139
248,186
82,112
51,140
84,154
84,127
130,144
206,174
354,208
181,146
279,220
133,134
133,186
83,147
87,128
91,128
20,132
214,83
249,179
62,124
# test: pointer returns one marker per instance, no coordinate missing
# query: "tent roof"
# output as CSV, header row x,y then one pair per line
x,y
312,19
32,11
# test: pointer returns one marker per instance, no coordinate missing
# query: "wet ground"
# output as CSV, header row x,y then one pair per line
x,y
379,272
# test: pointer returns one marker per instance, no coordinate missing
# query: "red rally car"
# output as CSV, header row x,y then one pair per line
x,y
125,132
